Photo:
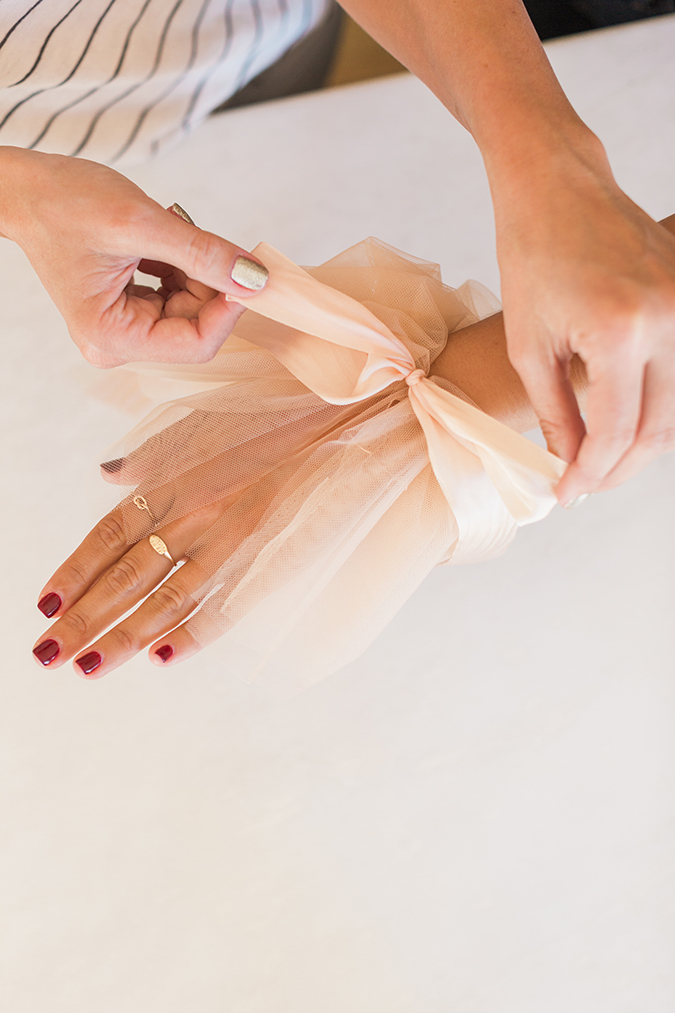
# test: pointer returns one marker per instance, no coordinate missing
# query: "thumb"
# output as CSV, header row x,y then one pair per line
x,y
174,239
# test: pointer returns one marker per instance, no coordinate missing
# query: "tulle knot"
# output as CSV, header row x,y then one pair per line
x,y
415,377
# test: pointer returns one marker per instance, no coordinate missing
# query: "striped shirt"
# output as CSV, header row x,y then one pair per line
x,y
120,80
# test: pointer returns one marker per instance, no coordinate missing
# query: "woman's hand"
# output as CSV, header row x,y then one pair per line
x,y
85,229
105,577
206,512
116,567
585,271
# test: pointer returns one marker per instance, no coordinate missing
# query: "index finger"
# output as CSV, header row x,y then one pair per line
x,y
614,406
548,386
104,545
138,333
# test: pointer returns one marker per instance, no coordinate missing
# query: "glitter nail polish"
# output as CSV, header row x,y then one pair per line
x,y
249,274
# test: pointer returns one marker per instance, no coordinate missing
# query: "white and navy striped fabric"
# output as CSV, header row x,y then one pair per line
x,y
118,80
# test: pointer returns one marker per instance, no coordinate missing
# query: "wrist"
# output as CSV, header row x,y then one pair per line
x,y
534,151
476,360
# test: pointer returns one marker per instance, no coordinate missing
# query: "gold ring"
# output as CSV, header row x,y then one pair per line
x,y
159,545
142,504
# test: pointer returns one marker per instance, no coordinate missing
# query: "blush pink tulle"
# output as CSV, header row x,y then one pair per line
x,y
346,472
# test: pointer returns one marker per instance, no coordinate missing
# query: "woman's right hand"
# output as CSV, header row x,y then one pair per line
x,y
85,229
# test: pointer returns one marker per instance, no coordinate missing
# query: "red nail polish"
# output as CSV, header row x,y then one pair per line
x,y
164,653
50,604
46,651
88,662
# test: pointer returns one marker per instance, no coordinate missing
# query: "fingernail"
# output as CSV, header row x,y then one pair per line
x,y
50,604
576,501
46,651
249,273
164,653
88,662
182,213
113,466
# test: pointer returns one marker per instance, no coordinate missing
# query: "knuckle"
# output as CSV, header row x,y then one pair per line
x,y
76,623
627,335
74,575
110,532
127,219
626,302
549,427
124,578
207,254
170,599
124,640
603,450
618,330
659,441
623,436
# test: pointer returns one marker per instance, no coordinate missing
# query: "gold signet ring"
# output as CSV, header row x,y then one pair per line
x,y
160,547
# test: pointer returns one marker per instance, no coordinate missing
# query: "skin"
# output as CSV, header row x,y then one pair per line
x,y
85,229
584,271
105,577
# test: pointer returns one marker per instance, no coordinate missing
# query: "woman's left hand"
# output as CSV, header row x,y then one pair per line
x,y
116,567
110,573
202,516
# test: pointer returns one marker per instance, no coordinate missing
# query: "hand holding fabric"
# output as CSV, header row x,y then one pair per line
x,y
585,271
85,229
312,491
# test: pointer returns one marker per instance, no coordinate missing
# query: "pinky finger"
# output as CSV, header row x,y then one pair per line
x,y
197,632
174,647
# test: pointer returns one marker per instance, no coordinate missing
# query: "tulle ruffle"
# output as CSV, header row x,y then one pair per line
x,y
345,472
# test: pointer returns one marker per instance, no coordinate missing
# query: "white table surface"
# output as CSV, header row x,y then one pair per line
x,y
475,816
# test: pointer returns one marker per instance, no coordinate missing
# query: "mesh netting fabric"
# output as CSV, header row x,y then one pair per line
x,y
342,471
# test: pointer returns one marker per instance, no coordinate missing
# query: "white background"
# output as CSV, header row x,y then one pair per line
x,y
477,816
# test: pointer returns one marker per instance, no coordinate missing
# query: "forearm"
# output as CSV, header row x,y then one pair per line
x,y
475,360
28,179
484,61
15,169
7,189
